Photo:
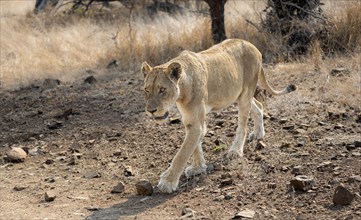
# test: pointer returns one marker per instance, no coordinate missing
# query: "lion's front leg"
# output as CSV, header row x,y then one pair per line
x,y
169,179
198,164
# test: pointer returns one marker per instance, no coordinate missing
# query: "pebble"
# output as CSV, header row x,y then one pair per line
x,y
49,161
297,170
218,167
144,188
354,178
187,212
128,171
92,174
93,208
339,71
175,121
19,188
119,188
260,145
325,166
16,155
342,196
49,196
357,143
302,183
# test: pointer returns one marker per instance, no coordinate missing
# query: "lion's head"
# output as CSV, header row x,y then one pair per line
x,y
161,88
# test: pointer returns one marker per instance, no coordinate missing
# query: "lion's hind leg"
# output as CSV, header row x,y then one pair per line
x,y
257,115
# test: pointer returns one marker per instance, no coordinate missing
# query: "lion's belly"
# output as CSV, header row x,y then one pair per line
x,y
221,97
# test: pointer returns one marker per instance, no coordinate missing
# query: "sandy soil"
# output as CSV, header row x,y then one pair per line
x,y
74,129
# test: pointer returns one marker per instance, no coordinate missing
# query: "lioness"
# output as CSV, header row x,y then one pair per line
x,y
198,83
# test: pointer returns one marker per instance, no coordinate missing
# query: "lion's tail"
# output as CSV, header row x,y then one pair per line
x,y
264,84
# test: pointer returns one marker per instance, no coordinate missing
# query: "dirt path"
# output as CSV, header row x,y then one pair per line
x,y
83,137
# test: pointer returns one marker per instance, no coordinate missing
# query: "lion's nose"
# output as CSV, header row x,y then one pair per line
x,y
152,110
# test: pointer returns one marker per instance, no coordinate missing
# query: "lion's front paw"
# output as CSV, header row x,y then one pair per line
x,y
166,183
232,154
256,136
192,171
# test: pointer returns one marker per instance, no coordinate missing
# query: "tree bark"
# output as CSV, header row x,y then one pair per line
x,y
216,8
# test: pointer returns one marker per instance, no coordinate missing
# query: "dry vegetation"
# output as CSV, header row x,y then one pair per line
x,y
53,45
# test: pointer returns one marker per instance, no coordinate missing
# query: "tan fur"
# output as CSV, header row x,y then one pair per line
x,y
198,83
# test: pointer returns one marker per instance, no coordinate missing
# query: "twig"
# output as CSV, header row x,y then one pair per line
x,y
306,11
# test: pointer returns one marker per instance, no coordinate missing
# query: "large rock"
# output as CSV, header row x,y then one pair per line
x,y
302,183
342,196
16,155
119,188
144,188
245,214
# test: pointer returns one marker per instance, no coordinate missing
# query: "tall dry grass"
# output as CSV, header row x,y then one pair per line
x,y
34,47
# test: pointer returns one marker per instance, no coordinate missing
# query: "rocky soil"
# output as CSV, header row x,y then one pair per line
x,y
92,153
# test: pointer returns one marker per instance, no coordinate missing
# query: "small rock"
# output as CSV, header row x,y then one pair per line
x,y
93,208
144,188
297,170
49,161
272,185
175,121
73,161
90,80
288,127
302,183
19,188
325,166
226,182
117,153
228,197
342,196
187,212
354,178
218,167
260,145
128,171
301,217
49,179
49,196
16,155
356,154
357,143
92,174
55,125
119,188
247,213
301,143
112,64
219,198
283,121
339,72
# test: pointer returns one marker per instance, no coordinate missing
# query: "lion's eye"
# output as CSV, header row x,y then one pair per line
x,y
162,90
146,90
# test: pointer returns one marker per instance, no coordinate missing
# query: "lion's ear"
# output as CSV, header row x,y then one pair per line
x,y
145,68
175,70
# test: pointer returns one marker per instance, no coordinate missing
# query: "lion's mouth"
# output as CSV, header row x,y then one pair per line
x,y
165,116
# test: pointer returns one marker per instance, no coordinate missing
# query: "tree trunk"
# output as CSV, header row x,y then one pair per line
x,y
216,8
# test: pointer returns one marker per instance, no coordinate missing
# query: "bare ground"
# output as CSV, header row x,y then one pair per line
x,y
74,129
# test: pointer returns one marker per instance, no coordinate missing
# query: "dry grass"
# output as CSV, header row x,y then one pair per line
x,y
345,35
34,47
